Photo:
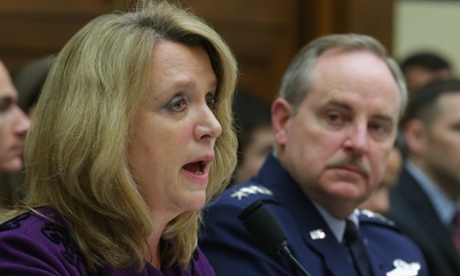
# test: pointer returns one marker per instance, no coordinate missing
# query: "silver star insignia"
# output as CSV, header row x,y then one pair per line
x,y
251,190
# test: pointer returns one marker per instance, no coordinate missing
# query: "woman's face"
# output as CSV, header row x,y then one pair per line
x,y
175,130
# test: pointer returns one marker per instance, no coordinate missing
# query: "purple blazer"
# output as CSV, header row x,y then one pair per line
x,y
33,245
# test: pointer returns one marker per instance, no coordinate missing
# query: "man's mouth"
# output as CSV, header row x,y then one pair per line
x,y
358,170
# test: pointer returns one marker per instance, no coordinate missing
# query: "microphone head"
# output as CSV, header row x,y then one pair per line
x,y
263,227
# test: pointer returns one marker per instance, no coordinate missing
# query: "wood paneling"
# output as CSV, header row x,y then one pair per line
x,y
374,18
263,34
266,34
33,28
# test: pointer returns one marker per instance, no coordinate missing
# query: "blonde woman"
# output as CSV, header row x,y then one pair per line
x,y
131,137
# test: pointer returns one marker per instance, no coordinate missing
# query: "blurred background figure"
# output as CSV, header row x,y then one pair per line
x,y
28,81
255,135
13,126
379,201
426,199
421,68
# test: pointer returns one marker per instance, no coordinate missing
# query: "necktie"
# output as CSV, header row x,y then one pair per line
x,y
456,232
356,249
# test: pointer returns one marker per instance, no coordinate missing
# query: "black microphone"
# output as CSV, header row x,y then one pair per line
x,y
264,228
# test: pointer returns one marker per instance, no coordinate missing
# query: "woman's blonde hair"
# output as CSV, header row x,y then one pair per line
x,y
76,153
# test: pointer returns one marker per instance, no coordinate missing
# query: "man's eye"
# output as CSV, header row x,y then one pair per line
x,y
380,131
334,118
380,127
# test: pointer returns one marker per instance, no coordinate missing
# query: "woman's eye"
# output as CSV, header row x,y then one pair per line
x,y
3,108
211,102
178,105
5,105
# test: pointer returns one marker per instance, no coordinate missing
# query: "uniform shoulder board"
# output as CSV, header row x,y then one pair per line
x,y
246,191
372,217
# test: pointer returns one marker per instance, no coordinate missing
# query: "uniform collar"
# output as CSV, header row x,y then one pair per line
x,y
336,225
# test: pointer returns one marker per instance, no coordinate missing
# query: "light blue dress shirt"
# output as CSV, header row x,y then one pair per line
x,y
336,225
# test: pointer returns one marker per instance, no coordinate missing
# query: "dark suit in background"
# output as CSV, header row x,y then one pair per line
x,y
426,198
413,212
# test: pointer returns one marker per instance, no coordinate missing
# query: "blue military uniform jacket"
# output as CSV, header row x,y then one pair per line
x,y
232,251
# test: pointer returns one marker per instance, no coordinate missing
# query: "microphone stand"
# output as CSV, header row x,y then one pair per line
x,y
264,228
284,250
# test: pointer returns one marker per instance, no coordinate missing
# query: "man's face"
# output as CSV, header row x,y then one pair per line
x,y
417,77
337,144
13,125
255,153
441,155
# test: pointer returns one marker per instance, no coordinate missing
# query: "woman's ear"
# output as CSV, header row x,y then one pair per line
x,y
415,134
281,118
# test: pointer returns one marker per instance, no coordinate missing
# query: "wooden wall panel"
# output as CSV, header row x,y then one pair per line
x,y
33,28
266,34
263,34
373,18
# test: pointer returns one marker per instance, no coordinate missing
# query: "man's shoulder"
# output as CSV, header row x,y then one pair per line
x,y
384,238
244,194
234,200
368,218
381,230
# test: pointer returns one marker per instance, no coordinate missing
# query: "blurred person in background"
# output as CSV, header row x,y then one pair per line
x,y
13,126
421,68
426,199
255,134
379,201
28,81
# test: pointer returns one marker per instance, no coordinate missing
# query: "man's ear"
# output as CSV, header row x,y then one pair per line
x,y
281,118
415,134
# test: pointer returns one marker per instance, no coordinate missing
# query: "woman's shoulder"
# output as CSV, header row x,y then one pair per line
x,y
42,225
43,244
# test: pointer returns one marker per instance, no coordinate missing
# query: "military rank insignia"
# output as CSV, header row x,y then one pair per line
x,y
403,268
251,190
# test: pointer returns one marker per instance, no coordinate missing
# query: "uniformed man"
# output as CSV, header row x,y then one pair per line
x,y
334,122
